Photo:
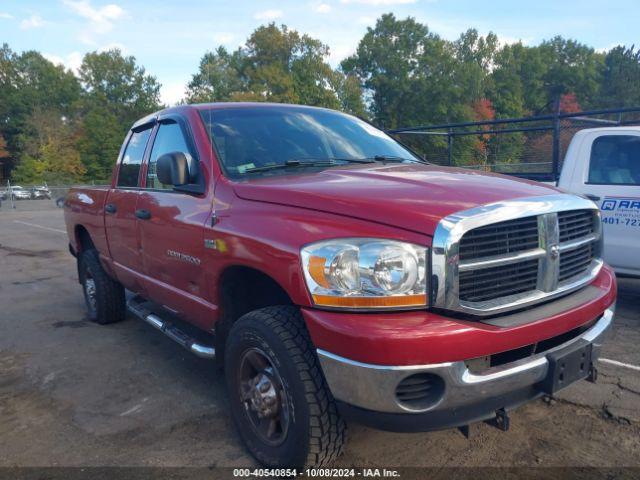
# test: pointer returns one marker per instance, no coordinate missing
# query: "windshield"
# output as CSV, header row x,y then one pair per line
x,y
249,139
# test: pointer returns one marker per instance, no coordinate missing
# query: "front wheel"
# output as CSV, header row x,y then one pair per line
x,y
280,401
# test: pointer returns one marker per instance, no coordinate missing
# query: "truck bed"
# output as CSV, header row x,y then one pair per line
x,y
85,206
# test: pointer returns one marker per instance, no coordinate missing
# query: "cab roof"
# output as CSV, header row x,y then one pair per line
x,y
181,109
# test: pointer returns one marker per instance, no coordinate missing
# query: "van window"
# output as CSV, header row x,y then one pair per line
x,y
615,160
168,139
132,159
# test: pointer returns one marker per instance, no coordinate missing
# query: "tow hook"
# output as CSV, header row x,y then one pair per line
x,y
501,421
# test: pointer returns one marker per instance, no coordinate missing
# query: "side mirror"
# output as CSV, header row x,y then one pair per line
x,y
173,169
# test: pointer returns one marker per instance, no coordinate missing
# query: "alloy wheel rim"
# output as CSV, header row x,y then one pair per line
x,y
90,292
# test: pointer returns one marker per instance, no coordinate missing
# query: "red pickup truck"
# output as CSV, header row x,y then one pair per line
x,y
338,276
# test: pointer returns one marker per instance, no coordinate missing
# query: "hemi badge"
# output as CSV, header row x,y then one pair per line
x,y
208,243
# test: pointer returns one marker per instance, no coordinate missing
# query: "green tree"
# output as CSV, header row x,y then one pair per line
x,y
8,83
475,55
51,154
620,83
102,133
29,81
409,75
406,72
218,78
275,65
116,81
280,65
571,67
349,93
117,92
507,88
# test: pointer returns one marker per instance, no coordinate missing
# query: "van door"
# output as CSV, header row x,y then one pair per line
x,y
171,227
119,212
612,179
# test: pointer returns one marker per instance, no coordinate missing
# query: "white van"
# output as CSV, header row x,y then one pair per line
x,y
603,164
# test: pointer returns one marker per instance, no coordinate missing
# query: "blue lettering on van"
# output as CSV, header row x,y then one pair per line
x,y
609,204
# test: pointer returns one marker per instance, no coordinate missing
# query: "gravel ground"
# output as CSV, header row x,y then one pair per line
x,y
76,394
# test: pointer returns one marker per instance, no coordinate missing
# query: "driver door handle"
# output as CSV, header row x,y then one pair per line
x,y
592,197
143,214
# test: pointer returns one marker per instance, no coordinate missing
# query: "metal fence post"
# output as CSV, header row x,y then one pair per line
x,y
10,191
449,146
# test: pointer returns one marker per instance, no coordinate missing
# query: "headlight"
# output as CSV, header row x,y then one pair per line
x,y
366,273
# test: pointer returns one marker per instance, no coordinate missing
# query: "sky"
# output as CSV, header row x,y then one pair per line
x,y
169,37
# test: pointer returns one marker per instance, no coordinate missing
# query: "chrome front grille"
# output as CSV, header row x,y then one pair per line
x,y
500,239
575,224
575,261
484,263
493,282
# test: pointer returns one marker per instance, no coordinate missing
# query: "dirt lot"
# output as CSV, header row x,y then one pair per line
x,y
77,394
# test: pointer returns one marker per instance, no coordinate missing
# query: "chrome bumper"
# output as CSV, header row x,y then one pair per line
x,y
372,387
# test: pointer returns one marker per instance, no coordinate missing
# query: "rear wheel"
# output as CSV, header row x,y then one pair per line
x,y
104,297
280,401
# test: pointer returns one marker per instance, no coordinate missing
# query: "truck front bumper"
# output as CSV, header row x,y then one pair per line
x,y
449,394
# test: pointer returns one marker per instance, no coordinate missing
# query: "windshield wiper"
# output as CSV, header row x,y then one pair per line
x,y
307,162
393,158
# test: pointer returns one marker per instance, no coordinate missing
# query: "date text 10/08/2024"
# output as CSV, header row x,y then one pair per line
x,y
317,473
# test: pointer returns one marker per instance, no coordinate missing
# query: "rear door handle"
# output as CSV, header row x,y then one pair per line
x,y
143,214
590,196
110,208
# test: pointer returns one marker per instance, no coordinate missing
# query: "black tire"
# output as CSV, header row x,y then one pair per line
x,y
107,305
316,433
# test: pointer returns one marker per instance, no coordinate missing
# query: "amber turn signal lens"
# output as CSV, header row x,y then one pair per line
x,y
371,302
316,270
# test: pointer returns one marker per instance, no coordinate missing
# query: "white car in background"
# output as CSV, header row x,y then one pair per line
x,y
18,193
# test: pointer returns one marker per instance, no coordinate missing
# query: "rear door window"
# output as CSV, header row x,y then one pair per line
x,y
615,160
132,159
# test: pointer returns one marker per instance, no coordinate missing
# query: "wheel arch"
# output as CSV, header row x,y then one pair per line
x,y
242,289
82,238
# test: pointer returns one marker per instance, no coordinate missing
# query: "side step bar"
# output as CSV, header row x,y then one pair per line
x,y
136,306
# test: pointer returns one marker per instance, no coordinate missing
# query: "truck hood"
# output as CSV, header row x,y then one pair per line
x,y
409,196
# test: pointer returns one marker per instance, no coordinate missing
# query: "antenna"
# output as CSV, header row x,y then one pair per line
x,y
214,216
210,112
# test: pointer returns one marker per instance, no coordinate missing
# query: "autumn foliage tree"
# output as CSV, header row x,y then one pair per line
x,y
569,103
482,111
4,153
51,154
60,127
